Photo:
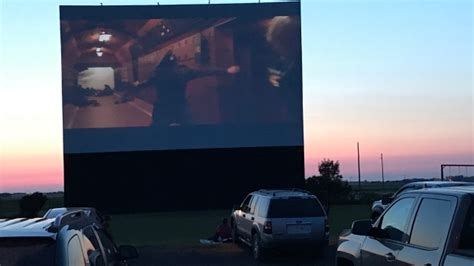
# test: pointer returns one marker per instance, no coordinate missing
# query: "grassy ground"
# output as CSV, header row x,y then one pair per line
x,y
388,187
186,228
9,208
167,228
342,216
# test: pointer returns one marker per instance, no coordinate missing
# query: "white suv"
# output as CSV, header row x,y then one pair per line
x,y
280,219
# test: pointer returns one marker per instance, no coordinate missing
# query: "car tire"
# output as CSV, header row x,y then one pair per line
x,y
257,249
321,251
315,252
235,234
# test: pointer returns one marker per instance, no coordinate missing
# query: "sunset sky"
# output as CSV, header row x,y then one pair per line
x,y
397,76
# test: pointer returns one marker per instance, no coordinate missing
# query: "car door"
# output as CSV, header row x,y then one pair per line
x,y
393,232
249,217
429,231
241,214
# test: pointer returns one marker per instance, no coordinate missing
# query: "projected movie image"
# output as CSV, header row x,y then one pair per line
x,y
126,73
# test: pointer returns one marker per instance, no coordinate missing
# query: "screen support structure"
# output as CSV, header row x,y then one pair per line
x,y
453,165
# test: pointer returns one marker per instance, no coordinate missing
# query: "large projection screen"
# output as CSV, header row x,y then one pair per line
x,y
155,94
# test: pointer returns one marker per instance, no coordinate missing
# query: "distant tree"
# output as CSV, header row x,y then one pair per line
x,y
329,169
31,205
329,186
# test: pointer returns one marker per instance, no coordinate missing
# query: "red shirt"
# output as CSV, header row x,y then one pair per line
x,y
224,231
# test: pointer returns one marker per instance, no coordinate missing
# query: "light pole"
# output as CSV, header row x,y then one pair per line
x,y
358,162
383,178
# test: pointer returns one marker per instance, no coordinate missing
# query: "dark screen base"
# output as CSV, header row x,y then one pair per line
x,y
149,181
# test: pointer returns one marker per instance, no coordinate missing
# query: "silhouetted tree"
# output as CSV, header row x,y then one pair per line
x,y
329,186
329,169
30,205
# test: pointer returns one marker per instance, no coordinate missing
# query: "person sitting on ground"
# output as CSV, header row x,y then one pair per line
x,y
223,232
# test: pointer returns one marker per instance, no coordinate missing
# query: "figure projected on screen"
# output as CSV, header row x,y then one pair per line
x,y
170,79
285,74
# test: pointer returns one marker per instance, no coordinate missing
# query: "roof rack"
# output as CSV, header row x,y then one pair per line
x,y
282,190
73,217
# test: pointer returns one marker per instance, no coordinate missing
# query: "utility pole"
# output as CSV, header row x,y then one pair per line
x,y
358,162
383,178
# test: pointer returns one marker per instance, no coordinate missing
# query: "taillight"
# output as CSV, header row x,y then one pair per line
x,y
267,227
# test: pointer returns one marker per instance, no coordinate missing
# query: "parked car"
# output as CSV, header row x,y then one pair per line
x,y
432,226
280,219
379,206
71,238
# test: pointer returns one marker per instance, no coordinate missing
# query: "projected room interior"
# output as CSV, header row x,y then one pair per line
x,y
107,66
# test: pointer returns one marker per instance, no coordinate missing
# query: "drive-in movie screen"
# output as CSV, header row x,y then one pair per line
x,y
183,79
236,132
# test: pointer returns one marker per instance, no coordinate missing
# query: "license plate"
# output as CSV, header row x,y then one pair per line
x,y
298,229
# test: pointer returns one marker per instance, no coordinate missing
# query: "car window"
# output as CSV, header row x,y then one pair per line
x,y
262,209
89,234
466,242
295,207
75,253
91,243
109,246
395,220
245,204
432,221
254,204
38,251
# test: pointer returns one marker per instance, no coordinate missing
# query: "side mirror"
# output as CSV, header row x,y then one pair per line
x,y
127,252
361,227
387,199
236,207
377,233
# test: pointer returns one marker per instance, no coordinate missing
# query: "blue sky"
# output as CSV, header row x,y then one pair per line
x,y
395,75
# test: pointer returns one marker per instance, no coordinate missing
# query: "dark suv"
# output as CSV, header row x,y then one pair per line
x,y
73,238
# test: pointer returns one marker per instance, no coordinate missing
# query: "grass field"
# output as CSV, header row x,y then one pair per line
x,y
184,228
166,228
9,208
388,187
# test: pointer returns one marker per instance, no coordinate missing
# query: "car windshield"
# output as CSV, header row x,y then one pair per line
x,y
295,207
27,251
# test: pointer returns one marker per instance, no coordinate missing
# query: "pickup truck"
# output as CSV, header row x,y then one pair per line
x,y
380,205
433,226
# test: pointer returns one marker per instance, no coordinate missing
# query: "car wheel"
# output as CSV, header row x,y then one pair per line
x,y
321,251
235,234
257,250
